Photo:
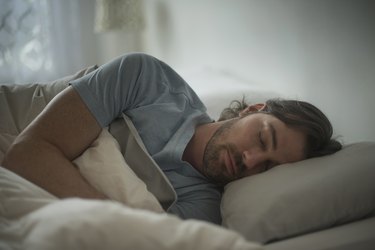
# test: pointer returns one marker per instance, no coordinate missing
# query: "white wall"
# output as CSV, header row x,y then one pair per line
x,y
322,51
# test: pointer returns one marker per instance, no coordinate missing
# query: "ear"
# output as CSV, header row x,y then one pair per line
x,y
253,108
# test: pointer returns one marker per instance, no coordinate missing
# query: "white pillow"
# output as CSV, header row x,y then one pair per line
x,y
93,224
19,197
34,219
303,197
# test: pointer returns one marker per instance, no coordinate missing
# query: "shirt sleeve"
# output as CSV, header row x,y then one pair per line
x,y
126,82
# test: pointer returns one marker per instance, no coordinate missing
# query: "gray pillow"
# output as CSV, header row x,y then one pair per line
x,y
303,197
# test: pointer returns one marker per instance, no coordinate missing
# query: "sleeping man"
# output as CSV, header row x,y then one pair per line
x,y
198,155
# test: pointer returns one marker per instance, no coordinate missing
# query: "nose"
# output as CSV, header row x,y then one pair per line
x,y
253,158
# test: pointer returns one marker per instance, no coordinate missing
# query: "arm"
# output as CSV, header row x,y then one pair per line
x,y
43,152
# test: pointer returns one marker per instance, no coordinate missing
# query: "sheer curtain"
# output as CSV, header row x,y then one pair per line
x,y
40,40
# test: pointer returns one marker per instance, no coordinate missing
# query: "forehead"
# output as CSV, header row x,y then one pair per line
x,y
252,119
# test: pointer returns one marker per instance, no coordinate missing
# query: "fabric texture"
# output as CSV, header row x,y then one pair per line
x,y
105,168
135,153
31,218
19,197
165,112
303,197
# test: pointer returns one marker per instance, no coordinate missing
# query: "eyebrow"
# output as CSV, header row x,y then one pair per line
x,y
274,137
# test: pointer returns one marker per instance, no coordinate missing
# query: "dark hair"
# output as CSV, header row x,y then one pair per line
x,y
299,114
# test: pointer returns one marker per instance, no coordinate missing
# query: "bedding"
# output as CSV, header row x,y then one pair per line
x,y
303,197
89,224
105,168
289,206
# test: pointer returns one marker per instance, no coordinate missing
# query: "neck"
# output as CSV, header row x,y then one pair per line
x,y
194,150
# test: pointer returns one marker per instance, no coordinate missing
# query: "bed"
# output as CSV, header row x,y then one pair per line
x,y
321,203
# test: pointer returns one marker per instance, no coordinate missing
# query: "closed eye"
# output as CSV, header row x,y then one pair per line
x,y
262,143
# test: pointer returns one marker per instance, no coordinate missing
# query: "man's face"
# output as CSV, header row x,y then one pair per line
x,y
251,145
